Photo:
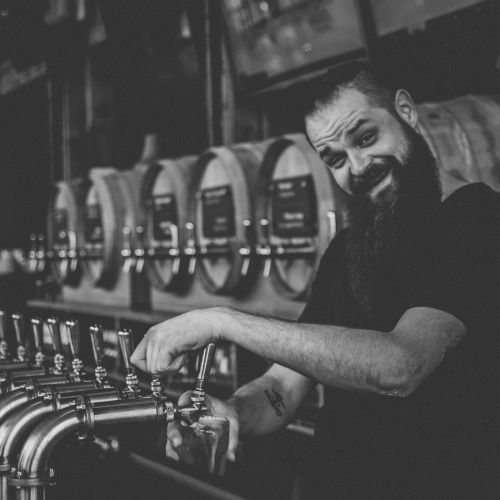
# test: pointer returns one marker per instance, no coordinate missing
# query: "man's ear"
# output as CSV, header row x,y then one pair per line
x,y
405,107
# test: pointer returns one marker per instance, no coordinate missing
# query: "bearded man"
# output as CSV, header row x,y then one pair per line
x,y
401,325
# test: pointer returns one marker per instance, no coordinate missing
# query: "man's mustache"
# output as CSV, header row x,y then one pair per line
x,y
376,171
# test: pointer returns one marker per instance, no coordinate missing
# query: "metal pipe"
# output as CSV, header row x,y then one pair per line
x,y
31,474
34,455
16,427
14,400
11,402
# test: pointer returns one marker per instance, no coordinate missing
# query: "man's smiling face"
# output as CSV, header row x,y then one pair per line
x,y
364,145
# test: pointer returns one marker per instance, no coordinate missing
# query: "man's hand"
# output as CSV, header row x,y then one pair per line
x,y
216,407
165,346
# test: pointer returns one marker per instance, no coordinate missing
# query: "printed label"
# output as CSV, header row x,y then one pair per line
x,y
294,207
218,212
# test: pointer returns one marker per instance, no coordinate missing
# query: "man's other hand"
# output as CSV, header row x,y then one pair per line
x,y
217,408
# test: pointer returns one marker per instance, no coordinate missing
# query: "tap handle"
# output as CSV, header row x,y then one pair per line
x,y
97,339
207,357
18,322
3,325
37,328
4,346
55,333
126,341
73,329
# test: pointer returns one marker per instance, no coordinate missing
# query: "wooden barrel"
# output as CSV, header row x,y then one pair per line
x,y
65,231
302,207
111,218
223,223
167,191
464,135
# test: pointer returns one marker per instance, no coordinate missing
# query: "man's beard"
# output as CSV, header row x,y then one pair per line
x,y
387,237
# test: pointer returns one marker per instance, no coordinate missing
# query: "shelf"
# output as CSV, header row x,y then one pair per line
x,y
120,313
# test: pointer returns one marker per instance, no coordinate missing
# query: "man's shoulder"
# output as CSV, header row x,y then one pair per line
x,y
471,200
473,210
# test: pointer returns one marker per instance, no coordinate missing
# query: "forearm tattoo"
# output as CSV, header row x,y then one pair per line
x,y
275,400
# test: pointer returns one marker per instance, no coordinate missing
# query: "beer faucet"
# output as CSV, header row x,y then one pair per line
x,y
73,330
189,249
97,340
264,250
55,335
4,346
126,252
139,251
37,327
40,253
126,342
246,250
197,407
18,322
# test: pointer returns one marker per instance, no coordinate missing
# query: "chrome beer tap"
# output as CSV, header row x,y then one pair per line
x,y
53,324
247,250
97,340
37,328
193,411
73,331
126,342
264,250
190,250
4,346
18,322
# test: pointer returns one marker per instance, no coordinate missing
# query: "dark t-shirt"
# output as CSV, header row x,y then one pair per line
x,y
442,441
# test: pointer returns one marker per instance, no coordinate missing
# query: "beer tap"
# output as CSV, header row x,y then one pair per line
x,y
40,253
264,250
197,407
4,346
31,261
55,335
73,330
139,251
97,339
126,342
246,251
72,253
37,327
18,322
189,249
126,252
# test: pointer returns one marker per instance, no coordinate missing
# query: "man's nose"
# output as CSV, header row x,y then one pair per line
x,y
359,163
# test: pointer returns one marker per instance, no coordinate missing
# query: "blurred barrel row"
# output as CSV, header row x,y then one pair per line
x,y
239,225
242,226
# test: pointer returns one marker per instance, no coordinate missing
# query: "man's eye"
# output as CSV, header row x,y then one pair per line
x,y
336,162
367,139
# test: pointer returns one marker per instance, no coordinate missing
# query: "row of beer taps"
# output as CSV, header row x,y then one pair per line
x,y
134,254
42,402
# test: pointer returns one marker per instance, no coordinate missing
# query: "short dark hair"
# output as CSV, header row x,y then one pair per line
x,y
359,75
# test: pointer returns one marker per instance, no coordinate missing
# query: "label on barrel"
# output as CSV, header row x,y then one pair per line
x,y
94,232
164,215
60,226
294,207
218,212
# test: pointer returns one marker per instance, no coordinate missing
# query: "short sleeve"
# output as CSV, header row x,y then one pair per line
x,y
465,281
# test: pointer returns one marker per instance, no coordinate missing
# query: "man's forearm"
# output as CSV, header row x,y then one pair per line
x,y
264,405
350,358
